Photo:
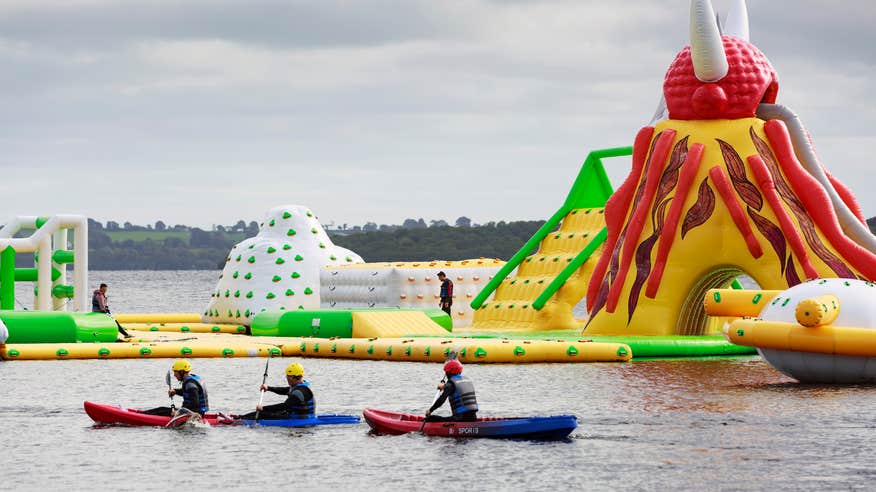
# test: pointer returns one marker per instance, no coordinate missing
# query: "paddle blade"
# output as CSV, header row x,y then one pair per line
x,y
167,378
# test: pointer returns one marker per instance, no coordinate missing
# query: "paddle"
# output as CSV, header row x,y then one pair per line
x,y
169,387
262,391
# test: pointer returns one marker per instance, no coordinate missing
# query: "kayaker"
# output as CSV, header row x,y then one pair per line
x,y
461,392
299,402
193,391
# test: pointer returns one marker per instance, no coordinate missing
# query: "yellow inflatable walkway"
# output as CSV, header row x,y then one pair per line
x,y
386,324
433,349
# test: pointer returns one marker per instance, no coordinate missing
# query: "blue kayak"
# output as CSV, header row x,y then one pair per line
x,y
539,428
110,414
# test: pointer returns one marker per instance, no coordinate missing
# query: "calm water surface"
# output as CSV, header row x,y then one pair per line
x,y
692,424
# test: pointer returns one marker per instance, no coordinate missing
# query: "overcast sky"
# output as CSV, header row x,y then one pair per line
x,y
204,112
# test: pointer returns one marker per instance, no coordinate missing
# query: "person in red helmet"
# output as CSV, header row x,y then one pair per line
x,y
460,390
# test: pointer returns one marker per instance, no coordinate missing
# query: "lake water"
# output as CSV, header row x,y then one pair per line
x,y
687,424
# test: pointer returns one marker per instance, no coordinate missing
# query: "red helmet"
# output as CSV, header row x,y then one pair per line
x,y
453,367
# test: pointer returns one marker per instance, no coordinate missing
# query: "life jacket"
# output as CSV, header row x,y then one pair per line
x,y
463,398
299,409
95,301
202,405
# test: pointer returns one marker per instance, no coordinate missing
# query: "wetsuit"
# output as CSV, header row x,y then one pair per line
x,y
194,395
446,295
460,390
299,404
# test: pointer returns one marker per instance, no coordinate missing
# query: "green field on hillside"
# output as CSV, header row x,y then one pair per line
x,y
139,236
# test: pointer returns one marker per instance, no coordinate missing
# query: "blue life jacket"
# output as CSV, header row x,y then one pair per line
x,y
202,404
298,408
463,397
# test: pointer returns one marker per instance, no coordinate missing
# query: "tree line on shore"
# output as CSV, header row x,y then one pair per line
x,y
187,248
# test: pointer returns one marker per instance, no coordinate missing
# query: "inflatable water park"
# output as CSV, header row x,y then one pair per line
x,y
727,237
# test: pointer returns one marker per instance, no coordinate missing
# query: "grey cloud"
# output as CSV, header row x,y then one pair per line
x,y
283,23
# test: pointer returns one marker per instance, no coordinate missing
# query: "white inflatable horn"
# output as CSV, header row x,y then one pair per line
x,y
706,48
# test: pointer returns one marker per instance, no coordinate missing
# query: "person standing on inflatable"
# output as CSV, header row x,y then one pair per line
x,y
193,391
299,403
461,392
446,293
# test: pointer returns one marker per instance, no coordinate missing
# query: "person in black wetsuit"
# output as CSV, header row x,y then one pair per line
x,y
446,293
299,403
193,391
460,390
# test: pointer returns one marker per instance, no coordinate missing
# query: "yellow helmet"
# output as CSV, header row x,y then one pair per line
x,y
182,365
295,369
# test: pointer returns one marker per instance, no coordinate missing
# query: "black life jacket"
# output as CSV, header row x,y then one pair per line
x,y
301,409
202,405
463,397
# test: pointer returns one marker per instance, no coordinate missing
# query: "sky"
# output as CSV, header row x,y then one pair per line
x,y
206,112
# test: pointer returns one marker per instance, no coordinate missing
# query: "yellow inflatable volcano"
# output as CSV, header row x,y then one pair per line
x,y
728,185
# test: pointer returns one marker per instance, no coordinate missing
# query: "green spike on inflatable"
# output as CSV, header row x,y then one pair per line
x,y
248,275
322,245
271,223
275,278
270,295
280,261
309,213
286,247
251,259
286,215
299,258
313,230
227,293
235,275
237,314
271,249
291,232
333,257
289,292
238,257
295,274
308,291
348,259
246,313
249,295
236,293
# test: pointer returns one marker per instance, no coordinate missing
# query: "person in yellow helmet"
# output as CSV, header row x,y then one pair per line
x,y
299,403
193,391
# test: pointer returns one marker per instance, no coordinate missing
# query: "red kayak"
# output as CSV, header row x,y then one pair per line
x,y
553,427
109,414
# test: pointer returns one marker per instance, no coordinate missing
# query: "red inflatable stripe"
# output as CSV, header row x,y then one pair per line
x,y
792,234
722,183
688,172
616,209
640,213
816,201
846,196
